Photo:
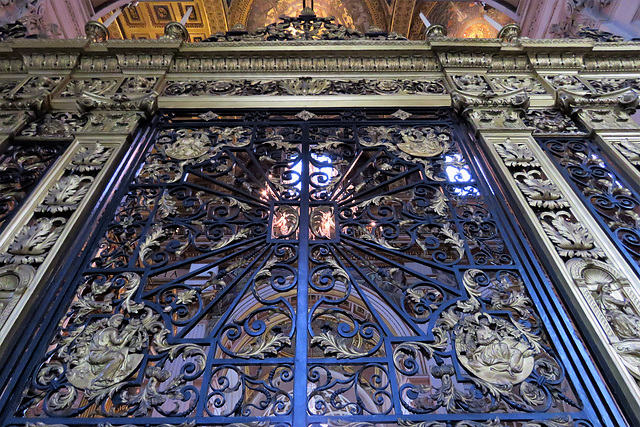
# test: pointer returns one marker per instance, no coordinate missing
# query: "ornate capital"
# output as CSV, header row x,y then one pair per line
x,y
488,110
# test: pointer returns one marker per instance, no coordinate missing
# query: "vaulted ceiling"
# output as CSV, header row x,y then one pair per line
x,y
146,20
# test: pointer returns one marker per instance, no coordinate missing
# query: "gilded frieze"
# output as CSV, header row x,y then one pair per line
x,y
193,61
551,122
304,86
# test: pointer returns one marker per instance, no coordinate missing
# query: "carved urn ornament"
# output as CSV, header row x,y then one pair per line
x,y
176,31
510,32
436,30
96,31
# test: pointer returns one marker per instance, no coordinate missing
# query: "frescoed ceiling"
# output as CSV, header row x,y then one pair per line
x,y
462,19
146,20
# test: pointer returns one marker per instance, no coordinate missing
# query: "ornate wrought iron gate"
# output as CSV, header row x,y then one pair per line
x,y
317,269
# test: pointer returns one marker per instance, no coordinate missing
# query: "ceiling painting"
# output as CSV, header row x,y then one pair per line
x,y
350,13
467,19
462,19
146,20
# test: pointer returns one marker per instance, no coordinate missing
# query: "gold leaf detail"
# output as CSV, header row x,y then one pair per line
x,y
261,348
337,346
33,241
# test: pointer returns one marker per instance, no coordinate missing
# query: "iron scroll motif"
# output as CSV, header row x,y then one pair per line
x,y
614,203
22,165
417,307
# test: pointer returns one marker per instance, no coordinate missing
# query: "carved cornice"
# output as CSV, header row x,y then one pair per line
x,y
403,62
144,61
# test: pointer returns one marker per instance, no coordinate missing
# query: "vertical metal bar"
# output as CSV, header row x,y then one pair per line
x,y
300,369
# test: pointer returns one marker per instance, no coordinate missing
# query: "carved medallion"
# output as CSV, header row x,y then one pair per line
x,y
420,144
188,147
106,352
493,349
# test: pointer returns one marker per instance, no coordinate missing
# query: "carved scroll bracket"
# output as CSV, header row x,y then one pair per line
x,y
146,103
35,239
608,111
491,111
563,228
463,101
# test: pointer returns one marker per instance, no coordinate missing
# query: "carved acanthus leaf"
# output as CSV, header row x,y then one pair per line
x,y
571,239
32,243
336,346
90,158
515,155
539,192
66,194
263,347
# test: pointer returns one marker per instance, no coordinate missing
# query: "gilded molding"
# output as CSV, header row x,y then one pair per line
x,y
28,94
147,103
256,63
66,125
600,119
12,121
